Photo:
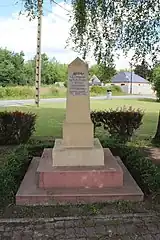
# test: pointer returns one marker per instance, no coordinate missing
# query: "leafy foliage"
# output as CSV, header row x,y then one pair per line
x,y
106,26
156,80
16,127
120,123
12,173
146,173
14,71
98,90
11,67
143,70
104,73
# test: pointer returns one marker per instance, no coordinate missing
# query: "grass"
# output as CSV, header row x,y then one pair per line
x,y
51,116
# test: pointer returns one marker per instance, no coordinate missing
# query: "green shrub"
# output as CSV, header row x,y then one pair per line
x,y
98,90
115,88
16,127
145,173
25,92
16,92
12,173
120,123
65,84
54,91
2,92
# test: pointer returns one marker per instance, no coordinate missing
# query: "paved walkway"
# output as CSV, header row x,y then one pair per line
x,y
118,228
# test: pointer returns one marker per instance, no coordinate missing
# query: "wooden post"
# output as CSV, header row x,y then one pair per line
x,y
38,55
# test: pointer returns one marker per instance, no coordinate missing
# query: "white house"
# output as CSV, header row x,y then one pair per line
x,y
132,84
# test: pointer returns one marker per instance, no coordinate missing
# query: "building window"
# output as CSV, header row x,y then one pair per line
x,y
122,84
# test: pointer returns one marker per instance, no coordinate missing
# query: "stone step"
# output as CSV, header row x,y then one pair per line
x,y
30,194
108,175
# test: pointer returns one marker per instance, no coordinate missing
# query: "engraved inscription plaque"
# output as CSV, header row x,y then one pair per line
x,y
78,84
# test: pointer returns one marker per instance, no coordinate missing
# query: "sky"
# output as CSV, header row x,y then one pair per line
x,y
17,33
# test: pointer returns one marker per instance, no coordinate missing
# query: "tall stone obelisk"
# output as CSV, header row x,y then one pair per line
x,y
78,146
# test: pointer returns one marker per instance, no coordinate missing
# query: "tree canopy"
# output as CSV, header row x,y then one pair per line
x,y
105,26
143,70
103,72
15,71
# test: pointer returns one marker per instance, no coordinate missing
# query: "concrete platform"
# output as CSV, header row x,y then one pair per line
x,y
109,175
30,194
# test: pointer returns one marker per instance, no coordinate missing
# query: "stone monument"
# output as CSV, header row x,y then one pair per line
x,y
77,169
78,146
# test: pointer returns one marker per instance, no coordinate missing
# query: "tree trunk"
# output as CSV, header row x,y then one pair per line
x,y
157,135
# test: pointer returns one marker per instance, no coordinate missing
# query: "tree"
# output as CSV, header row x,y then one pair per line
x,y
15,71
29,72
143,70
106,26
104,73
11,67
156,80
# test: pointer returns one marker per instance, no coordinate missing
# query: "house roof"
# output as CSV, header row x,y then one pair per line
x,y
94,79
125,77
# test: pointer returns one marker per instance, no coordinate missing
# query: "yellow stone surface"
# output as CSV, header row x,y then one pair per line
x,y
78,127
78,146
77,156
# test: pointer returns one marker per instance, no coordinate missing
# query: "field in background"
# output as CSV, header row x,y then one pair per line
x,y
28,92
50,117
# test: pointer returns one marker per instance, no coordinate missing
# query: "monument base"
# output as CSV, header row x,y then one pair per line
x,y
108,175
33,192
91,156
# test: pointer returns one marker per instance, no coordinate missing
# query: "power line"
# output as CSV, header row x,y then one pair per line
x,y
57,15
61,6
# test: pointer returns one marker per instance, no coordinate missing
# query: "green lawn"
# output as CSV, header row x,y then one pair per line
x,y
51,116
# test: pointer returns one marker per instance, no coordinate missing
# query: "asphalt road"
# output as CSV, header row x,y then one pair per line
x,y
8,103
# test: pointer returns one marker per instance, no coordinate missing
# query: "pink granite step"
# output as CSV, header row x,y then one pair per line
x,y
30,194
109,175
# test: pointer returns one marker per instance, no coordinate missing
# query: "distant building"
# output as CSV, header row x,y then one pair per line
x,y
94,81
138,85
59,84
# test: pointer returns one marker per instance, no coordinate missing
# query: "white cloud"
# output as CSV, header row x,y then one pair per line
x,y
19,34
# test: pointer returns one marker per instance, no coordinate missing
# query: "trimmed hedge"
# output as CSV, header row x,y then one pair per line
x,y
12,173
16,127
143,170
100,90
120,123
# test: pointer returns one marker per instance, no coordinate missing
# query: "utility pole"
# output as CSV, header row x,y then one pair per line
x,y
38,55
131,79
